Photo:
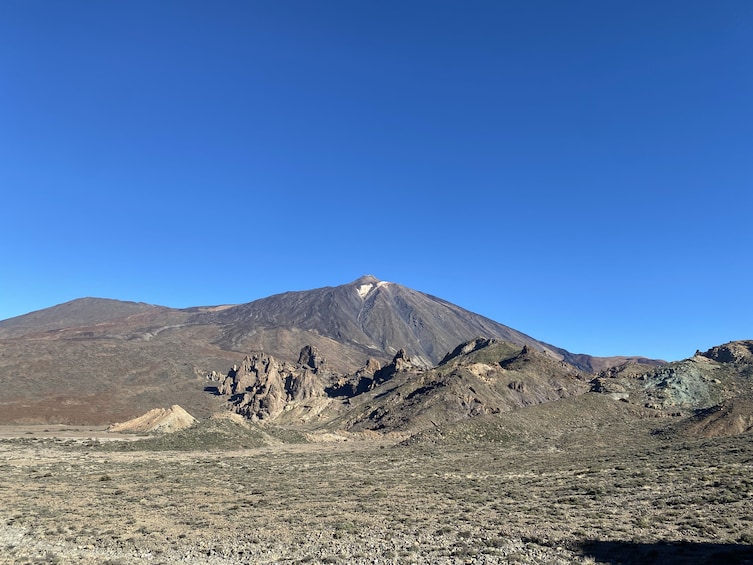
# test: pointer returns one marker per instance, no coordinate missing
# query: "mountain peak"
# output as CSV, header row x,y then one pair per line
x,y
366,279
366,284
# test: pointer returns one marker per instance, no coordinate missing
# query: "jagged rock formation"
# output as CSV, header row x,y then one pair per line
x,y
310,357
480,377
158,420
357,383
484,377
372,375
400,363
263,387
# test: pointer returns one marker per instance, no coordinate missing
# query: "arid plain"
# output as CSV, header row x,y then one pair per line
x,y
598,489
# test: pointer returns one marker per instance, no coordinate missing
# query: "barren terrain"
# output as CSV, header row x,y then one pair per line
x,y
601,493
502,453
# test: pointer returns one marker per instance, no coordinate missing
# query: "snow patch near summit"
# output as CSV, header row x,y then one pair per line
x,y
364,289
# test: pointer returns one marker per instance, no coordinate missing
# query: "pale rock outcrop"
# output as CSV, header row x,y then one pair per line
x,y
160,420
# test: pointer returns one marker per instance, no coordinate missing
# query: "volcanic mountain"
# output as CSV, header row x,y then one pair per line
x,y
366,318
98,360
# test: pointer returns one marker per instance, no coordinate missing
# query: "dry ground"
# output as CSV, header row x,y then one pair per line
x,y
78,500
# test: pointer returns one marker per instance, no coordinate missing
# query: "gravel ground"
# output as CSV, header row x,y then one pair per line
x,y
73,501
19,546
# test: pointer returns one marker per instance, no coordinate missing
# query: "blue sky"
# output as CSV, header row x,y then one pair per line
x,y
580,171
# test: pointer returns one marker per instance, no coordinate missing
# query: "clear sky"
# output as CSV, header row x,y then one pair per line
x,y
580,171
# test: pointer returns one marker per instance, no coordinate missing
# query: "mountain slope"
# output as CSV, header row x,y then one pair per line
x,y
76,313
368,316
481,378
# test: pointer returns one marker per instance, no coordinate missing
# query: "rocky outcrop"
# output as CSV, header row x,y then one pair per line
x,y
479,378
484,376
359,382
311,358
262,387
373,375
698,385
400,362
730,418
466,348
159,420
733,352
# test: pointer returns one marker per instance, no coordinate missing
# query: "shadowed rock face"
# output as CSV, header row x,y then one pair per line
x,y
740,352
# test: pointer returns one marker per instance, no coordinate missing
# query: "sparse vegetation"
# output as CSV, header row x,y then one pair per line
x,y
568,499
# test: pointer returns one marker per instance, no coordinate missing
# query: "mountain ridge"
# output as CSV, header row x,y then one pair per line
x,y
78,312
